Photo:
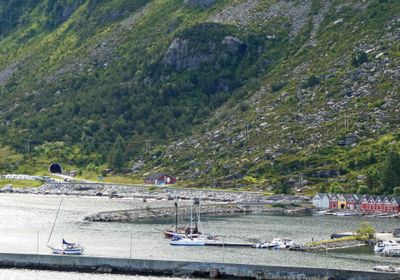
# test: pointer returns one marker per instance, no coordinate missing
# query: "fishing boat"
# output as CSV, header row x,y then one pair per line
x,y
191,238
181,231
67,248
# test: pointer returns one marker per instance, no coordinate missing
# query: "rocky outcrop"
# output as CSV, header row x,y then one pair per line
x,y
183,54
6,73
248,12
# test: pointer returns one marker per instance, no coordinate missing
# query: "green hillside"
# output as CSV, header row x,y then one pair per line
x,y
240,94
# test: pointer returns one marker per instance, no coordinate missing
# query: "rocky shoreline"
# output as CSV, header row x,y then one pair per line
x,y
153,192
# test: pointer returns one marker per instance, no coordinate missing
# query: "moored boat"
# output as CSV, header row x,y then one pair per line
x,y
187,241
276,243
68,248
381,245
343,234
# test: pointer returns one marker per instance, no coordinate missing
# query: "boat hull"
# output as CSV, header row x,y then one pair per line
x,y
188,242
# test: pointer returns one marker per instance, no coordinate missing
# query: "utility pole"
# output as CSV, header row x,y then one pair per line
x,y
301,181
346,123
246,132
148,145
28,145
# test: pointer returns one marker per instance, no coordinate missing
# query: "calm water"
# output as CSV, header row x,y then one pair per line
x,y
25,218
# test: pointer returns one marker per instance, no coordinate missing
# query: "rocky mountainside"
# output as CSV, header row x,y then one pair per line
x,y
269,94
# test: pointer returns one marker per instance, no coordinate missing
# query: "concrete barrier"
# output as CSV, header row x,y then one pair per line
x,y
181,268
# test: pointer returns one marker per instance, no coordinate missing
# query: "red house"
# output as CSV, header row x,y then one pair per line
x,y
160,179
333,201
364,205
371,203
378,204
351,201
387,206
395,204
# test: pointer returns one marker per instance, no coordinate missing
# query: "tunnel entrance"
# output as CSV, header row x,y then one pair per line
x,y
55,168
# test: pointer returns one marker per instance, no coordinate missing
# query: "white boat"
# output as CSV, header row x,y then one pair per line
x,y
67,249
187,241
192,239
276,243
390,251
382,245
386,268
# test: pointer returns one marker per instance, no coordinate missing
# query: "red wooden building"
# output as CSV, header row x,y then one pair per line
x,y
333,201
160,179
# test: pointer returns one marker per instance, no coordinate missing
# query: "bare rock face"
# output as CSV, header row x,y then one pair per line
x,y
180,56
233,44
183,53
199,3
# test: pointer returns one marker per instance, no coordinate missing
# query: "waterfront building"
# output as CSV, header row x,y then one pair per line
x,y
160,179
321,200
364,203
341,201
351,201
395,204
333,201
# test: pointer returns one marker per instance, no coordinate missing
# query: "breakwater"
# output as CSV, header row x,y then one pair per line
x,y
184,269
148,213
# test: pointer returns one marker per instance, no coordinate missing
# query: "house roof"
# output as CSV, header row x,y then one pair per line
x,y
156,176
397,199
321,195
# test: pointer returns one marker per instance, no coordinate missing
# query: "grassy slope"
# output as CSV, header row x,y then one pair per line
x,y
81,38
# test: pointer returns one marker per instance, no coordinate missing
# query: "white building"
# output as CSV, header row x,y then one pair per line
x,y
321,200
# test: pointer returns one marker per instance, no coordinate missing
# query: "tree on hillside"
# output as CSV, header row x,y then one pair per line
x,y
336,188
391,172
116,157
372,181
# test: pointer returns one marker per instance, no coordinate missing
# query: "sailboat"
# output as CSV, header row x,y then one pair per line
x,y
67,248
189,240
181,231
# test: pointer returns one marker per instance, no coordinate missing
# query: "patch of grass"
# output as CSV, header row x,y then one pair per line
x,y
20,183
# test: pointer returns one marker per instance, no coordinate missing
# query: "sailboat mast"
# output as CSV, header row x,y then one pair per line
x,y
176,215
191,220
54,223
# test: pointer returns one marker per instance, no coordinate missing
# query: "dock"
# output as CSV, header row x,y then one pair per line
x,y
230,244
183,268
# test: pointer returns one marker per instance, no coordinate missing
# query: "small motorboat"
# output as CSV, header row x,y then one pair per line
x,y
276,243
386,268
67,248
343,234
381,245
390,251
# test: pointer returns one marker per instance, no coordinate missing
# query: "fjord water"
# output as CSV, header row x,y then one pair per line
x,y
26,221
